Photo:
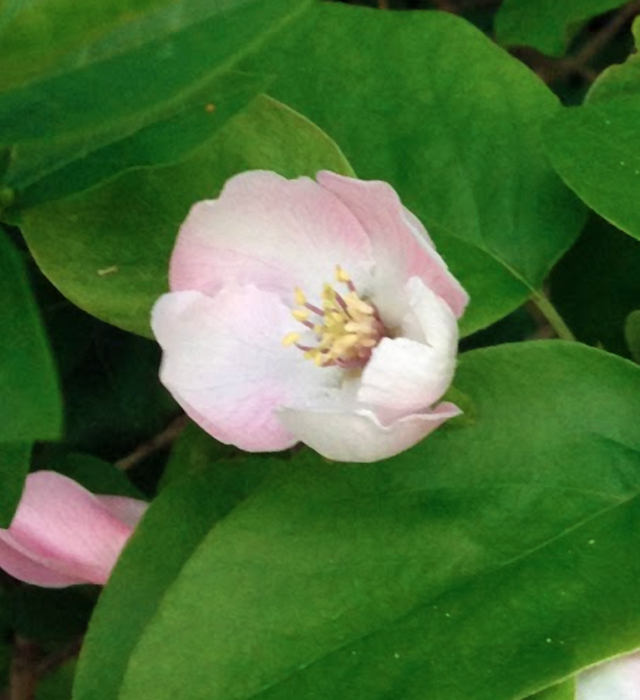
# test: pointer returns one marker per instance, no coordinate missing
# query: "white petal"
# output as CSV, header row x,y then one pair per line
x,y
411,373
271,232
225,364
618,679
359,435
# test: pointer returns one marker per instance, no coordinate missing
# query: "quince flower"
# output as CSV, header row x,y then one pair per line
x,y
617,679
316,312
62,535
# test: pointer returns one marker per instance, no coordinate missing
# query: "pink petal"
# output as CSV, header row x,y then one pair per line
x,y
63,528
225,364
359,435
20,566
271,232
128,510
408,374
401,246
618,679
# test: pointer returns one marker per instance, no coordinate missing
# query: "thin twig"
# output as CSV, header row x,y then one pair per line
x,y
22,677
58,658
158,442
552,70
600,39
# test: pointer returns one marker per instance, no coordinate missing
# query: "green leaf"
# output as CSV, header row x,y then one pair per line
x,y
126,86
194,452
479,564
546,25
95,475
621,79
596,150
594,302
31,406
119,237
57,686
428,103
632,334
14,467
181,515
562,691
36,35
40,174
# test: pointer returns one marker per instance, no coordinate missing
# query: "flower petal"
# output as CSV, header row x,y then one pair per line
x,y
401,246
62,527
408,374
128,510
618,679
225,364
268,231
359,435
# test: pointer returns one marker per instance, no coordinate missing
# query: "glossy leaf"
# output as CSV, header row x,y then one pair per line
x,y
119,237
428,103
632,334
37,35
40,174
31,405
179,518
562,691
546,25
126,86
596,150
476,565
14,467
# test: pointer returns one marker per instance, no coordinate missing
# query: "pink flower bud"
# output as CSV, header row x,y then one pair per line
x,y
63,535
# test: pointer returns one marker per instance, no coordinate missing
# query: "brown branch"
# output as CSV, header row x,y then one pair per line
x,y
22,675
551,70
383,4
58,658
158,442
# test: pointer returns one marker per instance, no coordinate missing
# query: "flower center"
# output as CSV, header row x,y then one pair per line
x,y
346,328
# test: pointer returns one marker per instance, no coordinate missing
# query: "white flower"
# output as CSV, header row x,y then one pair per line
x,y
309,311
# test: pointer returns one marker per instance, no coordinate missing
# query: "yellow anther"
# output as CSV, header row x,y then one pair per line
x,y
354,302
328,292
345,331
300,314
290,339
344,343
341,275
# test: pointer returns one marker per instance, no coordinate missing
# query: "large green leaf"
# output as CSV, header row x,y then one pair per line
x,y
547,25
14,467
41,173
31,405
596,150
494,559
427,102
118,238
35,35
561,691
171,531
126,87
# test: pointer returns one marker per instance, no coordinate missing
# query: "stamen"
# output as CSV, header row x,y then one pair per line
x,y
290,339
347,328
301,314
